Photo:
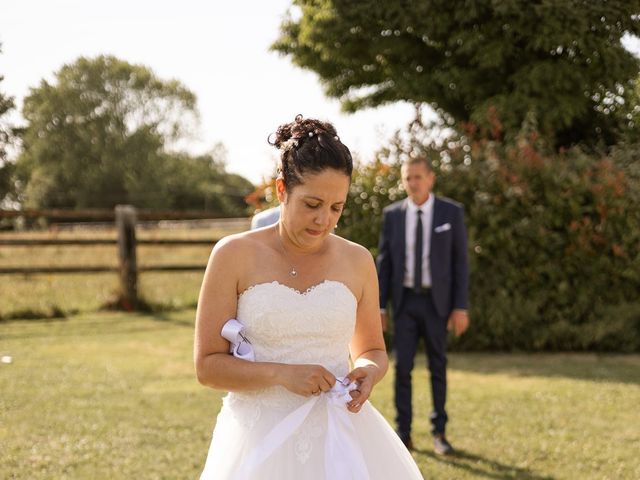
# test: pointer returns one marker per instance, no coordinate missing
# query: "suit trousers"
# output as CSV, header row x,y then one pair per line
x,y
416,318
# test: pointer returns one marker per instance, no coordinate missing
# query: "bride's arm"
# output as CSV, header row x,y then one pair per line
x,y
367,345
217,303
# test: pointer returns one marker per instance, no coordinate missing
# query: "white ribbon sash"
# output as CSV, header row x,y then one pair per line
x,y
241,347
343,457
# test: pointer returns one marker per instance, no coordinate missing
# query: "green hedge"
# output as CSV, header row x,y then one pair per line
x,y
554,238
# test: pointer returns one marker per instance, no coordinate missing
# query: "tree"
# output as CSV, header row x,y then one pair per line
x,y
486,62
6,136
202,183
6,105
97,136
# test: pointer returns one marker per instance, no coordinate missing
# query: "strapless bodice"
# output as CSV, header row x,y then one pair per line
x,y
285,325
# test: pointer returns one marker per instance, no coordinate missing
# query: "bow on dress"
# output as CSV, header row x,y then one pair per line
x,y
343,457
241,347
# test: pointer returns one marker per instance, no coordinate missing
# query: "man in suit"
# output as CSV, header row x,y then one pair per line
x,y
422,267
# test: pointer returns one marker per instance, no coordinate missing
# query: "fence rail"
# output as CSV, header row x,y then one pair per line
x,y
126,218
107,241
98,269
99,214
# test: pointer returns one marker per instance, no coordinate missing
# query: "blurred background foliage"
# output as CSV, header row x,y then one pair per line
x,y
562,61
107,132
7,137
554,236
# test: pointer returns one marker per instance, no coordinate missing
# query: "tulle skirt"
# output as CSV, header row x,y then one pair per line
x,y
243,425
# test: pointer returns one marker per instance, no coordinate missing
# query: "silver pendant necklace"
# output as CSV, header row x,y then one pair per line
x,y
292,272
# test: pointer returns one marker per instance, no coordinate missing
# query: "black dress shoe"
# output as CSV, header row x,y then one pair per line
x,y
441,445
407,441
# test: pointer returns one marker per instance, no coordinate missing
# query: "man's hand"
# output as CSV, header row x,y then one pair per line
x,y
458,321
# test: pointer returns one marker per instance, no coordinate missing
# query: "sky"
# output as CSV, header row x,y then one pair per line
x,y
219,50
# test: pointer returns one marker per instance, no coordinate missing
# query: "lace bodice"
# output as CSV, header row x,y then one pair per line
x,y
288,326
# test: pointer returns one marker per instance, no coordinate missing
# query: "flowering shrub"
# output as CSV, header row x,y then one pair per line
x,y
554,237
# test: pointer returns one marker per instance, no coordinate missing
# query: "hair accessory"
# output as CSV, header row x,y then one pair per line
x,y
336,138
311,134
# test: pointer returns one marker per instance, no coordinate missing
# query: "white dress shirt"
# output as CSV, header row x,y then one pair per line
x,y
411,223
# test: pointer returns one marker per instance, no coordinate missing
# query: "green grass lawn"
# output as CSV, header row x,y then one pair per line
x,y
113,396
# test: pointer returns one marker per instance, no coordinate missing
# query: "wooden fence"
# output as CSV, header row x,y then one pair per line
x,y
126,218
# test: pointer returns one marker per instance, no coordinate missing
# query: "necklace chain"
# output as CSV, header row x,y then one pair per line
x,y
292,272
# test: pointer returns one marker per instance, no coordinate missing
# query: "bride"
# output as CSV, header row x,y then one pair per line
x,y
305,302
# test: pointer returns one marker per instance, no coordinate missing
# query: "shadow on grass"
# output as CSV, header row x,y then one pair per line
x,y
46,314
107,325
592,367
167,314
166,317
484,467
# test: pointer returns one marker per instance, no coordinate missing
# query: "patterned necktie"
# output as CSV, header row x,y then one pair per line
x,y
417,259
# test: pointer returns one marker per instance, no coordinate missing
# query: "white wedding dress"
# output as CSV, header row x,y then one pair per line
x,y
313,327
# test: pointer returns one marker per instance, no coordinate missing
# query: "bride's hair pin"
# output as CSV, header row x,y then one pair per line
x,y
309,145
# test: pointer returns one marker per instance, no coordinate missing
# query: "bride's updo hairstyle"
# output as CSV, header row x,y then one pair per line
x,y
309,145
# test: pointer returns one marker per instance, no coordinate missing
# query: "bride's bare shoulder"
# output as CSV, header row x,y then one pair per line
x,y
352,251
356,266
241,245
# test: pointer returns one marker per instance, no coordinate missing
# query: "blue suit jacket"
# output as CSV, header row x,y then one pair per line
x,y
447,256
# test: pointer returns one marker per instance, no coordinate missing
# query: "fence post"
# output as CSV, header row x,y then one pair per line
x,y
126,225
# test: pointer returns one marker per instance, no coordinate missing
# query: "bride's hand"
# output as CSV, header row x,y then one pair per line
x,y
364,378
307,380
